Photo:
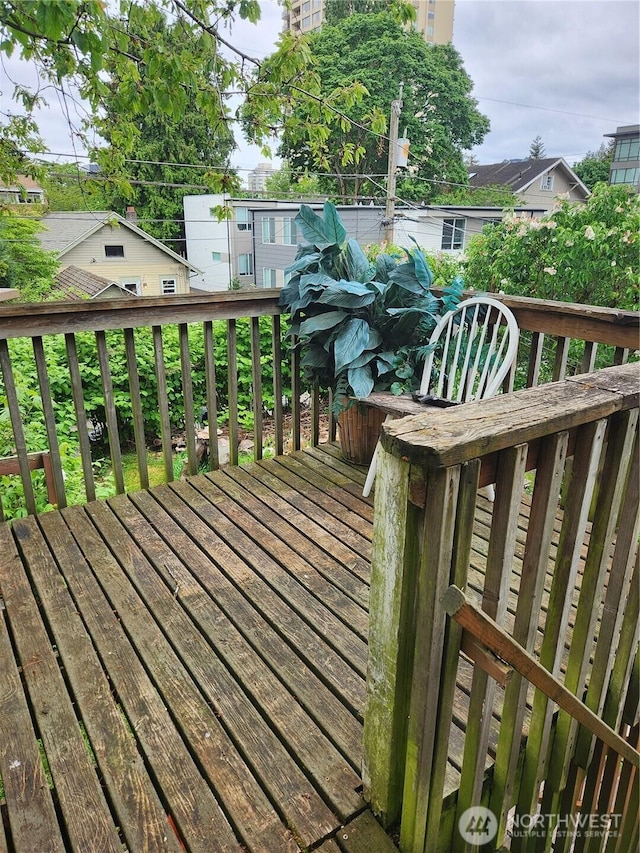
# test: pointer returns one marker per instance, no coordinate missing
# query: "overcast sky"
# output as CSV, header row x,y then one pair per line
x,y
565,70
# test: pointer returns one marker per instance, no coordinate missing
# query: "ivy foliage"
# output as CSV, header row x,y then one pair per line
x,y
137,58
374,54
583,253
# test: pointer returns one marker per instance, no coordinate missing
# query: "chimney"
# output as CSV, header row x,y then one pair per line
x,y
131,215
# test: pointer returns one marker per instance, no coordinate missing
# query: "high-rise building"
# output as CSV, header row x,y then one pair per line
x,y
257,179
434,18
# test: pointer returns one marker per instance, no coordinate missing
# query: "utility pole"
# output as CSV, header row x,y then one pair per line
x,y
396,107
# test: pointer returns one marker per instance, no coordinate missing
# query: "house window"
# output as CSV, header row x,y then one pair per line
x,y
289,232
268,277
243,218
114,251
269,229
429,30
625,176
627,149
245,264
546,182
216,256
317,19
168,285
133,285
431,15
306,22
453,233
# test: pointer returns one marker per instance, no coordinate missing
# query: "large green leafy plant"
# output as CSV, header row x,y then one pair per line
x,y
361,326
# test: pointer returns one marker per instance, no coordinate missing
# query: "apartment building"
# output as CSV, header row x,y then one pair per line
x,y
257,178
434,18
625,166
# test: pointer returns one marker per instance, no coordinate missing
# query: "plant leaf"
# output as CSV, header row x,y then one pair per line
x,y
347,294
357,262
385,264
361,380
350,342
303,262
334,228
328,320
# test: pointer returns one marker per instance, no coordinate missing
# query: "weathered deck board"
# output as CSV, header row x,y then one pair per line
x,y
207,639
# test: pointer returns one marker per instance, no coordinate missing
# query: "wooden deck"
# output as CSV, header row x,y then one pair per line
x,y
184,668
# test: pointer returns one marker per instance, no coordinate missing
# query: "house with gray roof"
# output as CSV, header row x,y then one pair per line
x,y
73,283
536,182
115,249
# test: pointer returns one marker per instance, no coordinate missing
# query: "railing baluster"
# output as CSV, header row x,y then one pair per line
x,y
187,398
295,395
136,408
256,375
620,356
560,360
16,423
110,412
163,403
535,359
49,420
589,357
315,414
81,416
232,383
212,395
278,421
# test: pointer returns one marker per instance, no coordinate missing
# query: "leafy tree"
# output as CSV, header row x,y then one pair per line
x,y
595,165
69,188
489,196
284,184
103,50
24,264
536,150
584,253
441,118
338,10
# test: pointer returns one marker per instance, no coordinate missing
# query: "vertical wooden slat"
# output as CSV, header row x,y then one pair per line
x,y
544,505
394,565
163,403
620,356
212,394
535,359
586,457
560,359
187,398
81,416
295,394
136,408
436,541
278,422
333,421
467,495
628,527
315,414
589,356
256,375
502,543
621,436
16,424
232,386
49,420
110,412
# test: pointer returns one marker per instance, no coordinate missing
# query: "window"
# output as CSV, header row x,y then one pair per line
x,y
245,264
114,251
627,149
453,233
268,277
625,176
133,285
289,232
216,256
431,16
317,19
306,22
268,229
168,285
429,30
546,182
243,218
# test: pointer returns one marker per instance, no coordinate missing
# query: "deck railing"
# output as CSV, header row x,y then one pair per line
x,y
106,363
564,593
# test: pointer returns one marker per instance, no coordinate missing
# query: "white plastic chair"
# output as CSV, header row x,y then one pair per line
x,y
473,348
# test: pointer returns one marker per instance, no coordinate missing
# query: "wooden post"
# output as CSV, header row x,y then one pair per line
x,y
391,638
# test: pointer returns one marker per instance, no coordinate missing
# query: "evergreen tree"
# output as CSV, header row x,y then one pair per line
x,y
536,150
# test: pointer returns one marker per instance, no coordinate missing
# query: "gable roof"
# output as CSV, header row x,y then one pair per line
x,y
67,229
75,283
518,175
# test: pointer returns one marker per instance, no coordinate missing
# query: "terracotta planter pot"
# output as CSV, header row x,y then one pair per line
x,y
359,427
